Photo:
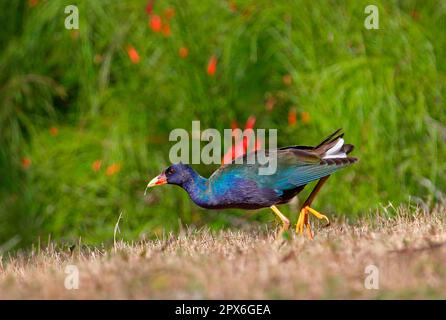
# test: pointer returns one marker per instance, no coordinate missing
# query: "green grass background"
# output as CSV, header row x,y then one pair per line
x,y
385,87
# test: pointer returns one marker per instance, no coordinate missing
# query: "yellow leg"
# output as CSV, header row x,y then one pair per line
x,y
285,221
302,222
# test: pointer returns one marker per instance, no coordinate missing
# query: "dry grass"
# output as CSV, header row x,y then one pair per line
x,y
409,250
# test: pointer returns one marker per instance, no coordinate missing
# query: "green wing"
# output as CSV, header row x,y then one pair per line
x,y
295,168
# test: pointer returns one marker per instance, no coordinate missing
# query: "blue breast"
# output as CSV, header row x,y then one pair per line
x,y
231,191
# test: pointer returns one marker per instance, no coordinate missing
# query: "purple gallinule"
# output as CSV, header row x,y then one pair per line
x,y
241,186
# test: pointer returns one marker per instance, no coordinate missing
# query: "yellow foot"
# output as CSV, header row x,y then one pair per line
x,y
285,222
302,222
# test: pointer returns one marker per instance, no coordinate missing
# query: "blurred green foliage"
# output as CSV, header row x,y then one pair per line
x,y
82,125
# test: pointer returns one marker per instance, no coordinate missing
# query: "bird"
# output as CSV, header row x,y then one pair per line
x,y
239,185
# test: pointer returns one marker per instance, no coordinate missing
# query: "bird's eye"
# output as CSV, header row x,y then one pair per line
x,y
170,170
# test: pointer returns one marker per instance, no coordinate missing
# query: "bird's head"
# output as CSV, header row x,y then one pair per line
x,y
175,174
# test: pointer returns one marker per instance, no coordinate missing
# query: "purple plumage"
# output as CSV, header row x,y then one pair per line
x,y
241,186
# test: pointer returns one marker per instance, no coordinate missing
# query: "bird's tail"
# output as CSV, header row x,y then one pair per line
x,y
333,147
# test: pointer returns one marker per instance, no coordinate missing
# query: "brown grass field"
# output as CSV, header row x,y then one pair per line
x,y
408,249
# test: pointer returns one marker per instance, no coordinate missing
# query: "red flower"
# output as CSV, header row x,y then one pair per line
x,y
292,117
149,7
33,3
54,131
113,169
270,103
74,34
305,117
26,162
96,165
250,122
415,15
166,30
287,80
233,6
133,54
98,58
169,13
242,146
183,52
234,124
155,23
212,65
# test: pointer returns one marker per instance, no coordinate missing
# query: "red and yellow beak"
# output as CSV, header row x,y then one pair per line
x,y
158,180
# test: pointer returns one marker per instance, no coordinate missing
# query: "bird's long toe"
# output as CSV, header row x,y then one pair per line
x,y
301,221
318,214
